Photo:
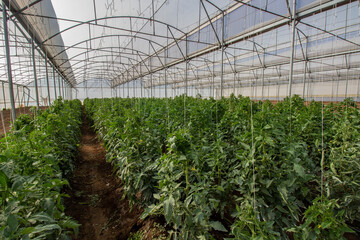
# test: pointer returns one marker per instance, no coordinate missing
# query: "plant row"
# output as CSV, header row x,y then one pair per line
x,y
35,159
237,169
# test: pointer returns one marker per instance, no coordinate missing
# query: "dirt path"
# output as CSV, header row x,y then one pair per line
x,y
95,198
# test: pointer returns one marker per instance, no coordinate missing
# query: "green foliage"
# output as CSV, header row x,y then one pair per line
x,y
40,154
243,169
321,221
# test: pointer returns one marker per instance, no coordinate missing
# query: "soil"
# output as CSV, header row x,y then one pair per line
x,y
7,117
96,196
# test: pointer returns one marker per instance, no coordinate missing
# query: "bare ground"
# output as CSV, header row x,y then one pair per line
x,y
96,198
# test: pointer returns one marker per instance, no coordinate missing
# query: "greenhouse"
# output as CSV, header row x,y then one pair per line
x,y
180,119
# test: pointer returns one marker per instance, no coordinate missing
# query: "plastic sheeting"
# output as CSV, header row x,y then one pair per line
x,y
40,20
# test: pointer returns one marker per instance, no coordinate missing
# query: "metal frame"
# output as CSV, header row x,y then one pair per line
x,y
181,59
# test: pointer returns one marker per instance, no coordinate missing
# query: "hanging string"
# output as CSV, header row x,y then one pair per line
x,y
322,145
252,155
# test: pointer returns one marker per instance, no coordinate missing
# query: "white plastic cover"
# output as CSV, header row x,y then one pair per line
x,y
44,28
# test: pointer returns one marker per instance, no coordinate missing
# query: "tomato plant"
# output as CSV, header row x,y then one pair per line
x,y
34,164
234,167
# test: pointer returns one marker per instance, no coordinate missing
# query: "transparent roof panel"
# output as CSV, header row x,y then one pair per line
x,y
184,43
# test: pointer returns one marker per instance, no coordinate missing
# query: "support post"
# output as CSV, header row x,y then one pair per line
x,y
3,90
47,81
8,63
54,83
186,66
305,66
151,83
18,95
62,85
128,89
292,48
59,83
222,71
347,58
34,72
263,76
134,88
222,54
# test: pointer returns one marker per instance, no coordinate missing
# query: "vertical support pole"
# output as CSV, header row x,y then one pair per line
x,y
292,48
165,72
101,87
263,76
18,95
86,89
305,66
8,63
3,90
347,58
212,87
234,83
128,89
62,86
28,100
151,85
123,88
222,55
23,97
347,83
54,83
34,72
47,81
186,66
166,54
134,88
64,89
94,12
59,84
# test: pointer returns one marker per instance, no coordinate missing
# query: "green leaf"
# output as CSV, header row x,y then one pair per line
x,y
326,224
3,181
283,192
12,222
333,169
49,227
216,225
168,207
299,170
220,188
25,237
27,230
42,217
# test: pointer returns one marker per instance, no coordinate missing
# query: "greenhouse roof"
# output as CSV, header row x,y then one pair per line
x,y
205,43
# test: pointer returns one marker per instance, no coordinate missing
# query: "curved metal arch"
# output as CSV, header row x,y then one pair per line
x,y
94,57
80,61
93,65
27,72
106,36
94,74
106,18
97,49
